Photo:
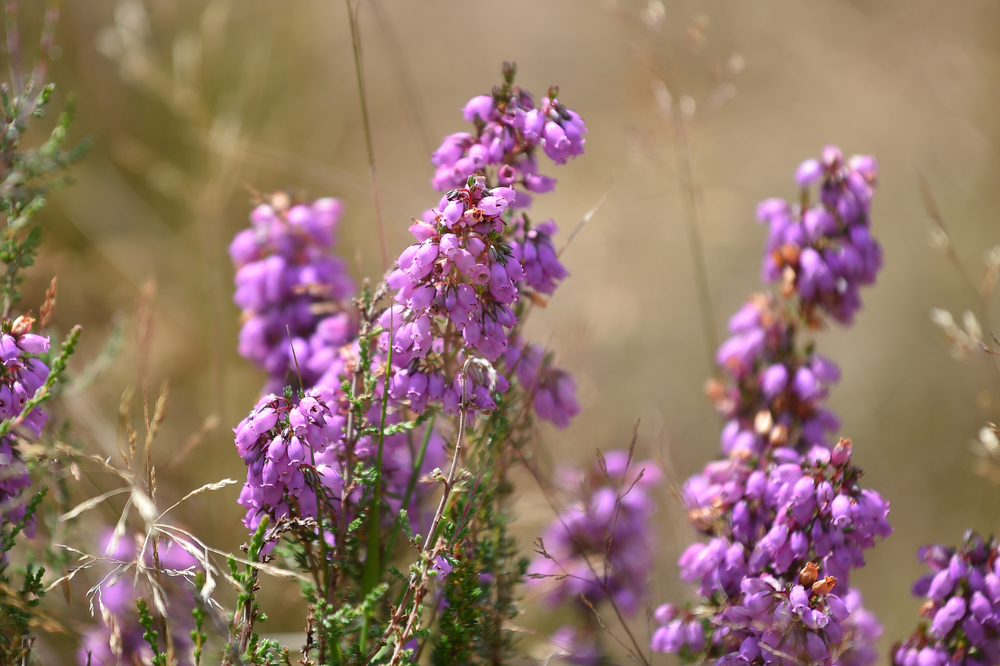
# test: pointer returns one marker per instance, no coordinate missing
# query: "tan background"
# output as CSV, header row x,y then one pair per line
x,y
271,102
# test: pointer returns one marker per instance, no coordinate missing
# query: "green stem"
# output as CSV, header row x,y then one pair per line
x,y
417,464
373,568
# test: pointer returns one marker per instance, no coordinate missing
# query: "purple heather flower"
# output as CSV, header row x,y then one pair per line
x,y
284,270
962,604
295,453
552,390
785,518
809,173
439,275
534,249
825,252
22,373
575,647
610,521
116,597
509,133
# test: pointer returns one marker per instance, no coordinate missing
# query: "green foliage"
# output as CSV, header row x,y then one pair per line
x,y
18,607
150,635
28,175
244,645
199,613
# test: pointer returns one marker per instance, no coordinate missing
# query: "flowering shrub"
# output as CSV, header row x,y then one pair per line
x,y
379,456
785,514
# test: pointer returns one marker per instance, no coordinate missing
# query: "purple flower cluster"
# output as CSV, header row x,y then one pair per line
x,y
962,607
509,129
460,270
457,292
785,515
295,455
796,511
780,622
289,286
551,390
116,598
575,646
782,540
21,374
532,246
825,252
776,394
459,286
291,455
603,543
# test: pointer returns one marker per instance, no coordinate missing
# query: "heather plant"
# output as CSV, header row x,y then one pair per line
x,y
380,454
348,457
31,367
783,509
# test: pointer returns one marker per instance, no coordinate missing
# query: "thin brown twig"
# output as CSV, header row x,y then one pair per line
x,y
439,514
352,12
685,175
537,477
584,220
931,207
419,577
609,536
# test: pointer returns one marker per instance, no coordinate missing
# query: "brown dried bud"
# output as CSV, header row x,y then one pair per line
x,y
808,574
823,587
790,253
49,306
705,519
21,325
779,435
537,299
763,422
761,302
715,390
788,282
927,609
841,454
281,202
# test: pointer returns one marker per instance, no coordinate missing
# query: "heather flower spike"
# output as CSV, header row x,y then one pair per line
x,y
461,287
783,511
961,608
292,290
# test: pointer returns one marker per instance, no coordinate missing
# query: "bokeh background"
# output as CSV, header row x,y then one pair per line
x,y
194,104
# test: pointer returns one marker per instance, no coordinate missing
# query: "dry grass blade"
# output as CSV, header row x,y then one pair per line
x,y
112,347
217,485
125,434
600,621
261,566
144,327
145,505
90,504
584,220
